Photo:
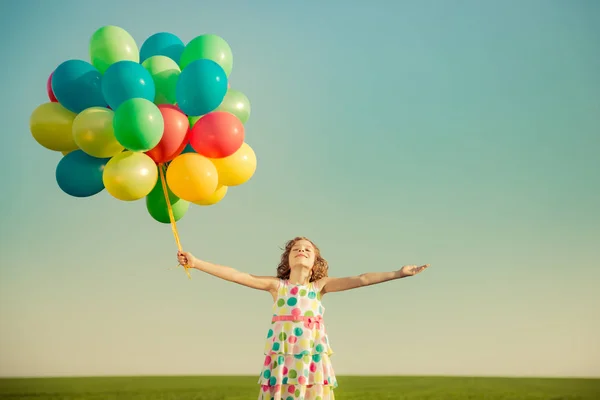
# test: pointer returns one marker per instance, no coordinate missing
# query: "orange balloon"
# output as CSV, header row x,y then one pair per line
x,y
214,198
192,177
238,168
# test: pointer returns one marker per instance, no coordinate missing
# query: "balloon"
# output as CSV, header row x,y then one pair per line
x,y
77,85
193,120
94,134
236,103
51,126
162,44
51,95
157,206
188,149
201,87
192,177
80,175
238,168
126,80
110,44
217,134
210,47
165,73
174,137
214,198
138,124
130,176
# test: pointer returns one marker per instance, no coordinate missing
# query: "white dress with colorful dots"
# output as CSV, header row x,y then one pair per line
x,y
297,364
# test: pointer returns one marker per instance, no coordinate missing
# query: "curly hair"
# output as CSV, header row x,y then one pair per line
x,y
319,269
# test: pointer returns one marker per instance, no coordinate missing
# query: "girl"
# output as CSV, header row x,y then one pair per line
x,y
297,350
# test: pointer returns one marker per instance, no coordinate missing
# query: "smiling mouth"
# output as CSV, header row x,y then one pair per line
x,y
301,255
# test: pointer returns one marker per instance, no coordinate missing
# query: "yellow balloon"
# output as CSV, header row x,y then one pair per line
x,y
238,168
130,176
192,177
94,134
51,126
214,198
64,153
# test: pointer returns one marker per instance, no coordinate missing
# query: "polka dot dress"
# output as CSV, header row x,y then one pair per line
x,y
297,351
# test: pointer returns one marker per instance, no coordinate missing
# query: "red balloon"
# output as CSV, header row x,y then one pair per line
x,y
51,95
175,134
217,134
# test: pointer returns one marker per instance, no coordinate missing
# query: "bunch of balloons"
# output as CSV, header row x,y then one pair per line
x,y
160,122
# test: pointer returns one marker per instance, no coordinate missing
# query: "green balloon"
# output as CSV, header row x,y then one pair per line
x,y
236,103
165,73
138,124
110,44
193,120
211,47
157,206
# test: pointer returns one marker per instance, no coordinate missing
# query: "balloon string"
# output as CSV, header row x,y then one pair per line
x,y
170,210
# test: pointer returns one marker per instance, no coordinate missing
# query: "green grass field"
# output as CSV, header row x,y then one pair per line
x,y
351,388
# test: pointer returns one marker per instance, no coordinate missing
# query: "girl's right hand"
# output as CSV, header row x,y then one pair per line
x,y
185,258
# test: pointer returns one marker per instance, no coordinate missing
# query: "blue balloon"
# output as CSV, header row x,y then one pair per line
x,y
80,175
201,87
162,44
188,149
77,86
125,80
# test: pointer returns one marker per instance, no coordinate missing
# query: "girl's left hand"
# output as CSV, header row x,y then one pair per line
x,y
410,270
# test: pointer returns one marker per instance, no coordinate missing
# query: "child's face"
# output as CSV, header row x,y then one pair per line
x,y
302,255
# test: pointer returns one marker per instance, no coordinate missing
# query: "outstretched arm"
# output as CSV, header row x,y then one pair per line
x,y
266,283
329,285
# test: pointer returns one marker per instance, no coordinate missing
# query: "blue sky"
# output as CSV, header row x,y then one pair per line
x,y
464,134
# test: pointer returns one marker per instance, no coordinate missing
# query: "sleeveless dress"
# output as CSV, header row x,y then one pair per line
x,y
297,364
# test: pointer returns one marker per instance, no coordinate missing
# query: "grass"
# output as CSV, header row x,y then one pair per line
x,y
351,388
